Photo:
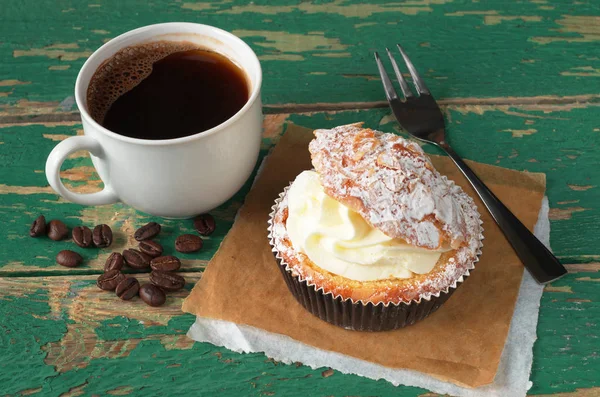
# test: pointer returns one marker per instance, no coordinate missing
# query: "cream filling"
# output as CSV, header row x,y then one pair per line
x,y
340,241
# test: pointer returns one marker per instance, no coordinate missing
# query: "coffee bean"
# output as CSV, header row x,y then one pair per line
x,y
128,288
109,280
69,258
147,231
114,262
165,264
167,281
152,295
102,236
38,228
57,230
188,243
136,259
151,248
204,224
82,236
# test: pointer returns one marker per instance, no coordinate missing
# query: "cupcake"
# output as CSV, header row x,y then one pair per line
x,y
373,238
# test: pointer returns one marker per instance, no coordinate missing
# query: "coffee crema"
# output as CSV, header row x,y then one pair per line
x,y
166,90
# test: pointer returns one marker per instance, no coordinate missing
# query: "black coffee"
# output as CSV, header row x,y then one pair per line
x,y
165,90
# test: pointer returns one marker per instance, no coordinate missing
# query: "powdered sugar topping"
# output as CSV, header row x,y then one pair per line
x,y
393,185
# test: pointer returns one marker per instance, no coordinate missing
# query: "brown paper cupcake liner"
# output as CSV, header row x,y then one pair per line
x,y
359,315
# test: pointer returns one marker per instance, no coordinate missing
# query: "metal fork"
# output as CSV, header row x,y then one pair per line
x,y
422,118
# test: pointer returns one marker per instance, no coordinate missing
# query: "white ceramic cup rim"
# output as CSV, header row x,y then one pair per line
x,y
166,28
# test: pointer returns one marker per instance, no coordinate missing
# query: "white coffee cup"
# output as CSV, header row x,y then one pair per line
x,y
173,178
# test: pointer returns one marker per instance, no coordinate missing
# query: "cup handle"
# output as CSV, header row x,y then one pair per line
x,y
58,156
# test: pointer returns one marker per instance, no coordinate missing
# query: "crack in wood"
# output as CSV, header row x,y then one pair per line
x,y
535,101
444,102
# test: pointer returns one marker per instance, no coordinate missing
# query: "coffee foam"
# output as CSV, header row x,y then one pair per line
x,y
125,70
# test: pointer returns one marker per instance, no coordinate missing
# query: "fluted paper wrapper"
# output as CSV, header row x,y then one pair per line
x,y
359,316
356,315
461,342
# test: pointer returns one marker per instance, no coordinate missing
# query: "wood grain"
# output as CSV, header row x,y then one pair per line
x,y
517,82
77,347
570,166
74,330
321,51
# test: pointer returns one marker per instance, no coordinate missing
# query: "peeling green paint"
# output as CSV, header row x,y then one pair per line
x,y
25,328
462,48
317,51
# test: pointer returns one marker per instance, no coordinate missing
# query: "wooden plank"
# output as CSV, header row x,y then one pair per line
x,y
94,310
541,101
568,322
320,51
63,334
71,117
558,139
583,267
517,81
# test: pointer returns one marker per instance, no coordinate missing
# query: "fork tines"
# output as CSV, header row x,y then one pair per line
x,y
390,92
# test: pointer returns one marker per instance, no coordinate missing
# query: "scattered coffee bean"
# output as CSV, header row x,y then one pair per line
x,y
136,259
147,231
82,236
57,230
109,280
204,224
188,243
165,264
151,248
102,236
69,258
167,281
114,262
152,295
38,228
128,288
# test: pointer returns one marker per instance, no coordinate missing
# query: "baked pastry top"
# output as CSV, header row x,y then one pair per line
x,y
392,184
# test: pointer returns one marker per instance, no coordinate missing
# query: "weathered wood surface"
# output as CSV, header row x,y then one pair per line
x,y
63,334
320,51
519,85
559,140
567,329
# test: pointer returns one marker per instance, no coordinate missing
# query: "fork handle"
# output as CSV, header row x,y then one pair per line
x,y
540,262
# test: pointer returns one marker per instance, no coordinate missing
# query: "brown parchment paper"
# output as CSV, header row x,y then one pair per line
x,y
461,342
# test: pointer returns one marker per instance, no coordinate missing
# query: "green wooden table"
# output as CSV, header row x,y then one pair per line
x,y
518,81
